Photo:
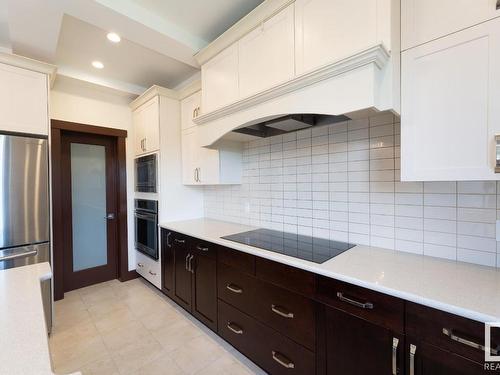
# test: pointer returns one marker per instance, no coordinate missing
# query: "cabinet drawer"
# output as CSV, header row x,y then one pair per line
x,y
289,313
374,307
291,278
237,259
448,331
270,350
203,248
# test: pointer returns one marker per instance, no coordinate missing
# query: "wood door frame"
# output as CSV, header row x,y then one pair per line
x,y
58,127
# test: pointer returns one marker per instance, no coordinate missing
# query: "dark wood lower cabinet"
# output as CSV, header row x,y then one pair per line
x,y
272,351
290,321
204,293
427,359
357,347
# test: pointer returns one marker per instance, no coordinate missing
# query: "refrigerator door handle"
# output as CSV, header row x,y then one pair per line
x,y
19,255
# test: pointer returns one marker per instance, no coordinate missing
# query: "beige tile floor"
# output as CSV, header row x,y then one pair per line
x,y
131,328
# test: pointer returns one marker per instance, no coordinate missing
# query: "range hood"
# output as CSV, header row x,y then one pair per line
x,y
288,123
355,87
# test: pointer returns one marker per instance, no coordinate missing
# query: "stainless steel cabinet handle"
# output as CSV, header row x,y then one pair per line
x,y
413,350
20,255
469,343
194,175
395,344
187,257
191,268
152,273
363,305
282,360
202,248
277,310
180,241
194,113
234,328
168,239
145,144
199,174
233,288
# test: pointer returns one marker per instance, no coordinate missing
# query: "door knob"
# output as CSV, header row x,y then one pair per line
x,y
110,216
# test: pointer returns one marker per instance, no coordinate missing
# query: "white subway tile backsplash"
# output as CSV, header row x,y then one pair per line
x,y
341,181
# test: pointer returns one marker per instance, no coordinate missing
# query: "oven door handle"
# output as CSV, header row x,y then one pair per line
x,y
150,217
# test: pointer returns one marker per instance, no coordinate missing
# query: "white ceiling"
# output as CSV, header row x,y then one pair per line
x,y
159,37
204,19
80,43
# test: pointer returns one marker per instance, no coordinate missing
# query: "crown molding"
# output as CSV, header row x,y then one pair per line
x,y
253,19
150,93
29,64
377,55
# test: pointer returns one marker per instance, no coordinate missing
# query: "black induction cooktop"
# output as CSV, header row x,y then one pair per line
x,y
317,250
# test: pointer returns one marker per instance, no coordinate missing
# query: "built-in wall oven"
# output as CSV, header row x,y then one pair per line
x,y
145,174
146,227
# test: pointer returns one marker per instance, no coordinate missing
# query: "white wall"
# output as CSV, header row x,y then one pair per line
x,y
342,182
82,102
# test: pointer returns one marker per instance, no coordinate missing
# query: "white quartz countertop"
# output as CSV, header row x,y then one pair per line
x,y
464,289
24,347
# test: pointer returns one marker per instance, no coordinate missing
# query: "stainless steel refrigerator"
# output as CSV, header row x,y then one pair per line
x,y
24,207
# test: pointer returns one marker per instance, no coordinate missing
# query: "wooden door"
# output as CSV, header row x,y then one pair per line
x,y
89,190
205,284
430,360
183,276
450,112
357,347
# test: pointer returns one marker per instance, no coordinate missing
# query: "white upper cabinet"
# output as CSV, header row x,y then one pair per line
x,y
220,79
328,30
146,121
426,20
266,54
23,100
450,112
190,109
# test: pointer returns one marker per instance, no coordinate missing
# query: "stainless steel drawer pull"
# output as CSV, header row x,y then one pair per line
x,y
363,305
233,288
19,255
234,328
413,350
282,360
395,344
180,241
140,265
152,273
202,248
469,343
278,310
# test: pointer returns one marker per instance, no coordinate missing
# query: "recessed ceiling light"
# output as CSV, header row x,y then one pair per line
x,y
97,64
114,37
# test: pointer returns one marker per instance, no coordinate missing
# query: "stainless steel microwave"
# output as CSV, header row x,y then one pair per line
x,y
145,174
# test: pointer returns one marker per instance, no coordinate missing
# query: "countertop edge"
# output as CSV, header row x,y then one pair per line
x,y
308,266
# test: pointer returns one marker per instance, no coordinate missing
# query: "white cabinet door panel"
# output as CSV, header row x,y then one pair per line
x,y
425,20
189,156
450,112
23,101
266,54
220,79
146,120
190,109
328,30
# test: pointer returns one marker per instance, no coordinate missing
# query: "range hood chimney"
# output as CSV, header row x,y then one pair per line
x,y
288,124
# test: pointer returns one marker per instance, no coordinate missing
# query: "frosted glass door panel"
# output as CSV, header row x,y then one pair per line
x,y
88,196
